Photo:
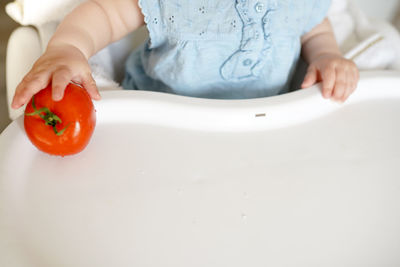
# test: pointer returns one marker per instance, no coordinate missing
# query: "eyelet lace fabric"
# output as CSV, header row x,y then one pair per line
x,y
221,48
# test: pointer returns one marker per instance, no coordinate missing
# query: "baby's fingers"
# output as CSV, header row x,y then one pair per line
x,y
341,85
90,85
310,78
30,85
353,78
328,81
61,79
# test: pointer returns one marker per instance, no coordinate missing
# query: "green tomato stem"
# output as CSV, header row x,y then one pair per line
x,y
49,117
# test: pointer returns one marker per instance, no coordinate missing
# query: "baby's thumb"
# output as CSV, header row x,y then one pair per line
x,y
310,78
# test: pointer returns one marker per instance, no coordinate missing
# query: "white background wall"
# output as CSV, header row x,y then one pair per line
x,y
385,9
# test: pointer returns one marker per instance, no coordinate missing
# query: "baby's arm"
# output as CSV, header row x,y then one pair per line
x,y
87,29
339,76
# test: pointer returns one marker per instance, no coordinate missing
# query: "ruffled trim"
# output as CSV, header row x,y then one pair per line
x,y
149,21
255,47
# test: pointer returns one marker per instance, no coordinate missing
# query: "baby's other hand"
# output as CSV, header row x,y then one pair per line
x,y
59,66
339,76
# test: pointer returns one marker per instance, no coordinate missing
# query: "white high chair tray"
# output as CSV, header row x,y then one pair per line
x,y
292,180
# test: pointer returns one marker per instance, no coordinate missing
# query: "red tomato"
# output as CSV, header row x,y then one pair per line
x,y
60,128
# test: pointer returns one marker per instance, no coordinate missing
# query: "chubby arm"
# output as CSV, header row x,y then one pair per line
x,y
97,23
90,27
339,76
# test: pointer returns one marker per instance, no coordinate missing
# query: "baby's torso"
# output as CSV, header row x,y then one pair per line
x,y
220,48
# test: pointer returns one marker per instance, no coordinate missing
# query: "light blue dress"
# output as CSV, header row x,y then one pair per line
x,y
224,49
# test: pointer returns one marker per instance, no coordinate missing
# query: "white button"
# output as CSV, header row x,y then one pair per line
x,y
259,7
247,62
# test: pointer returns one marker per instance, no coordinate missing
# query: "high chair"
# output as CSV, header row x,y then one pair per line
x,y
289,180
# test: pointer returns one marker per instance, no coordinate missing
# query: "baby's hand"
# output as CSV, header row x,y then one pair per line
x,y
339,76
58,65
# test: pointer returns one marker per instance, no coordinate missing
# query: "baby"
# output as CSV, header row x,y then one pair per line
x,y
203,48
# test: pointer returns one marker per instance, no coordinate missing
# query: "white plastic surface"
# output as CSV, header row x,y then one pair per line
x,y
20,58
170,181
